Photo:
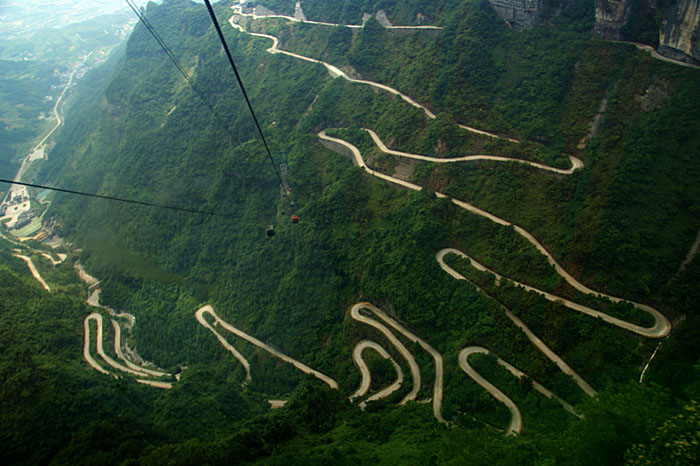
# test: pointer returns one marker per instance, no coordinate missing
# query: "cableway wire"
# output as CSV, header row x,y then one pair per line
x,y
199,92
175,61
112,198
180,68
245,95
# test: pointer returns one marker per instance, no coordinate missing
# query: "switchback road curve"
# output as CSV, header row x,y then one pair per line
x,y
662,325
516,421
357,315
366,375
142,374
208,309
336,72
576,163
660,328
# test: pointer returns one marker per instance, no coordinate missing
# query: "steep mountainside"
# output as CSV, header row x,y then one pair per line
x,y
486,213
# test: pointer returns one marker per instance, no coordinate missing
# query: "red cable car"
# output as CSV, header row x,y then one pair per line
x,y
295,219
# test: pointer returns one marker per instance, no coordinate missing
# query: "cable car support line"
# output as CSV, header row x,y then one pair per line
x,y
245,95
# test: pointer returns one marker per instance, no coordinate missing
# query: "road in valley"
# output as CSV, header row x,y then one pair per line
x,y
38,150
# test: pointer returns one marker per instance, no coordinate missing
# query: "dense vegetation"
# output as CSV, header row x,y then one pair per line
x,y
622,224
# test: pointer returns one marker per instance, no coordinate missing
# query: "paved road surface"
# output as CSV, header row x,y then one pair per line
x,y
238,11
336,72
299,365
516,421
576,163
415,371
661,326
367,376
34,271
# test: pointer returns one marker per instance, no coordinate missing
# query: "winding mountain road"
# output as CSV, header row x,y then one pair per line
x,y
336,72
366,375
130,368
34,271
54,262
236,354
539,344
662,325
365,312
516,422
415,371
97,318
143,375
237,10
218,321
356,314
576,163
660,329
120,354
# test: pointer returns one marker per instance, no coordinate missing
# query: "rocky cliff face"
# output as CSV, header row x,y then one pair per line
x,y
679,36
521,14
678,32
610,17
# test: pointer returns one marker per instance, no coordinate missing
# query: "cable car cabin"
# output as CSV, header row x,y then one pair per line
x,y
270,232
295,219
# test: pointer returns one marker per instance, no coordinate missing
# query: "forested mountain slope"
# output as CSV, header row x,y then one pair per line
x,y
619,222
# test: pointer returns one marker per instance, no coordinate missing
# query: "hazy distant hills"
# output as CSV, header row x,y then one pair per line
x,y
18,18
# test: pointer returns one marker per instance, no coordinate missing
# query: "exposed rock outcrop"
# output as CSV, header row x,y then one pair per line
x,y
526,14
610,17
678,33
521,14
382,18
679,37
298,12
